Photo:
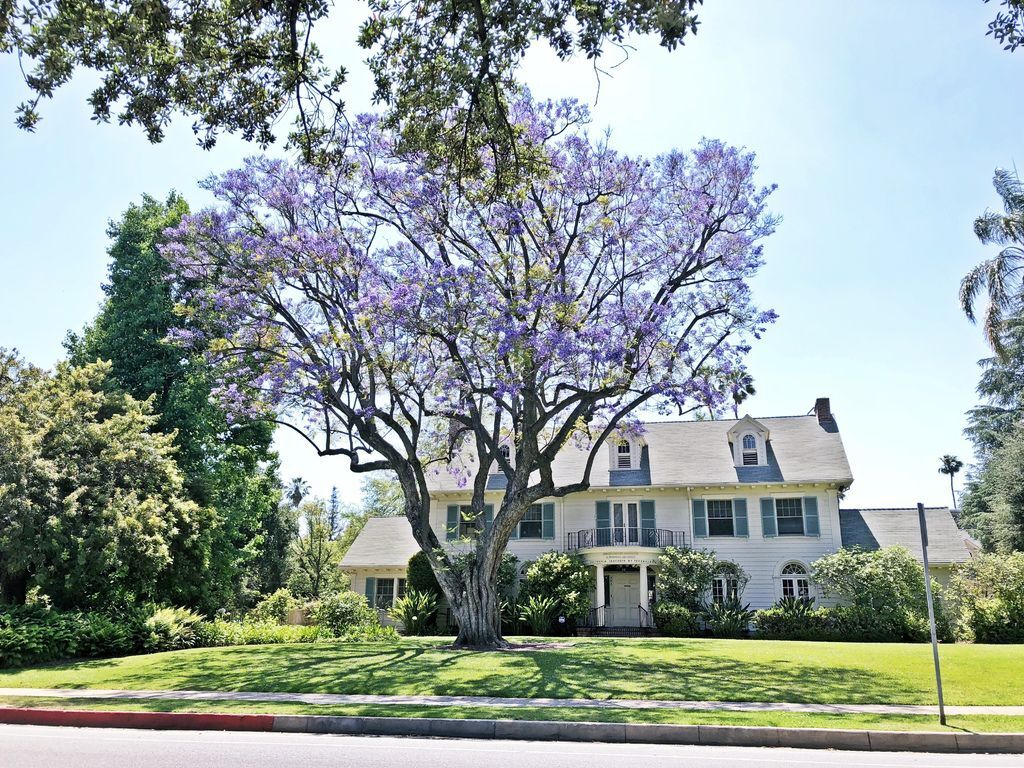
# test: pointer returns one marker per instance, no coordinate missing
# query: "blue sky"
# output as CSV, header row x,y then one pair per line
x,y
880,122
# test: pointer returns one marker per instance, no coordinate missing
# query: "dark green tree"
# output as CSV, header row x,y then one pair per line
x,y
93,510
227,467
443,67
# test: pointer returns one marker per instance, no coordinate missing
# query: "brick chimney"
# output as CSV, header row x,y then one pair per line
x,y
823,410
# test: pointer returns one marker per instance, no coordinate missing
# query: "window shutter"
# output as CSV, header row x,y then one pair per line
x,y
548,521
453,522
811,527
739,517
647,520
371,590
768,528
603,515
700,519
488,515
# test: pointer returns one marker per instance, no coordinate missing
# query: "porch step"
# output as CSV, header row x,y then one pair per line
x,y
614,632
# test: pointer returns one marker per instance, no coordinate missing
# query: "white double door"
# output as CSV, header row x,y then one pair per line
x,y
623,608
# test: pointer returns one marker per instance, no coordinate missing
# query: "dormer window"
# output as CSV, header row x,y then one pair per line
x,y
748,442
506,453
750,451
624,456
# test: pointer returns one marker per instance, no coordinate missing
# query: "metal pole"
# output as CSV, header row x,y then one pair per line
x,y
931,610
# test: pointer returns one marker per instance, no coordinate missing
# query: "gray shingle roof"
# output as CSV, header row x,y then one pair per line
x,y
876,528
384,542
800,450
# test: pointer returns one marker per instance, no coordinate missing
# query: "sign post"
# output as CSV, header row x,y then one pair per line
x,y
931,609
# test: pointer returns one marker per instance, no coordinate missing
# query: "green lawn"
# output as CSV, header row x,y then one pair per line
x,y
973,723
658,668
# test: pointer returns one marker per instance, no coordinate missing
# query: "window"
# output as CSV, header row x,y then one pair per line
x,y
724,588
385,594
624,456
532,524
789,514
401,588
795,582
750,451
720,521
469,524
506,453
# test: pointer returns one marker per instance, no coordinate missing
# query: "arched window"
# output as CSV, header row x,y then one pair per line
x,y
505,451
795,581
750,451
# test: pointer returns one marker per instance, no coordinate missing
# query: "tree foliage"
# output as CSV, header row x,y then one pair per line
x,y
228,466
92,506
986,596
316,554
444,68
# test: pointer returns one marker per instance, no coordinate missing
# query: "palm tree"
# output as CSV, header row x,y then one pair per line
x,y
950,466
296,490
1000,275
741,386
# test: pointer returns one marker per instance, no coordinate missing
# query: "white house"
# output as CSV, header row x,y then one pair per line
x,y
761,492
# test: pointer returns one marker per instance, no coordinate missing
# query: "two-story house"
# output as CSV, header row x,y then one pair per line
x,y
761,492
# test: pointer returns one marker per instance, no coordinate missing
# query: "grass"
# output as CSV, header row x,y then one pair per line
x,y
655,668
971,723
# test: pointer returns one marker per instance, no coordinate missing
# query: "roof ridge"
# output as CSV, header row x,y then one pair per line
x,y
887,509
725,421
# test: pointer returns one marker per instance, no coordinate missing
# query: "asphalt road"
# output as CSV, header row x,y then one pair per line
x,y
27,746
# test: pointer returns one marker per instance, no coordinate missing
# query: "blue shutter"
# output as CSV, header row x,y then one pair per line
x,y
548,521
700,519
371,591
768,528
647,521
452,528
488,515
739,517
811,527
603,523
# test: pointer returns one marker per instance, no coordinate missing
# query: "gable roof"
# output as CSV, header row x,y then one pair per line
x,y
683,453
876,528
384,542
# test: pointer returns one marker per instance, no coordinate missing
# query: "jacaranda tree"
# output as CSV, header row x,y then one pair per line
x,y
409,323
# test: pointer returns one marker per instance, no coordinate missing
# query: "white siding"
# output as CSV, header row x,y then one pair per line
x,y
762,558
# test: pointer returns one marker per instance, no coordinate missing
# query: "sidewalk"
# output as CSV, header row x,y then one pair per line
x,y
496,701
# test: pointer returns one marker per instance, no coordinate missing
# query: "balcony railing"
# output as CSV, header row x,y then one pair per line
x,y
624,537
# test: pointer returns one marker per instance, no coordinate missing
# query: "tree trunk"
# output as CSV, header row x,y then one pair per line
x,y
952,492
479,612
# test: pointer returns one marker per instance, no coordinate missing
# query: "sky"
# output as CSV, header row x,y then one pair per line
x,y
881,123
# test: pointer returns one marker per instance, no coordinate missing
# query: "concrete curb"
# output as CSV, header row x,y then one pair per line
x,y
531,730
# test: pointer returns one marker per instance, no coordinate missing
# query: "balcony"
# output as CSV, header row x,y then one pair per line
x,y
655,538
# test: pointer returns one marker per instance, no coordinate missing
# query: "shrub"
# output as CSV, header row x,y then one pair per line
x,y
342,612
675,620
728,619
538,612
986,599
562,578
170,629
415,610
35,634
684,576
791,618
883,594
419,576
274,608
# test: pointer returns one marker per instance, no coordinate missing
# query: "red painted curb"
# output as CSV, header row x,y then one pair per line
x,y
188,721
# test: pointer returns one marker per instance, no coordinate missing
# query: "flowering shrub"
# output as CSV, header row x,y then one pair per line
x,y
563,578
342,612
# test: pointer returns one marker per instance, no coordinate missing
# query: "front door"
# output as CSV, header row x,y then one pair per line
x,y
624,600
